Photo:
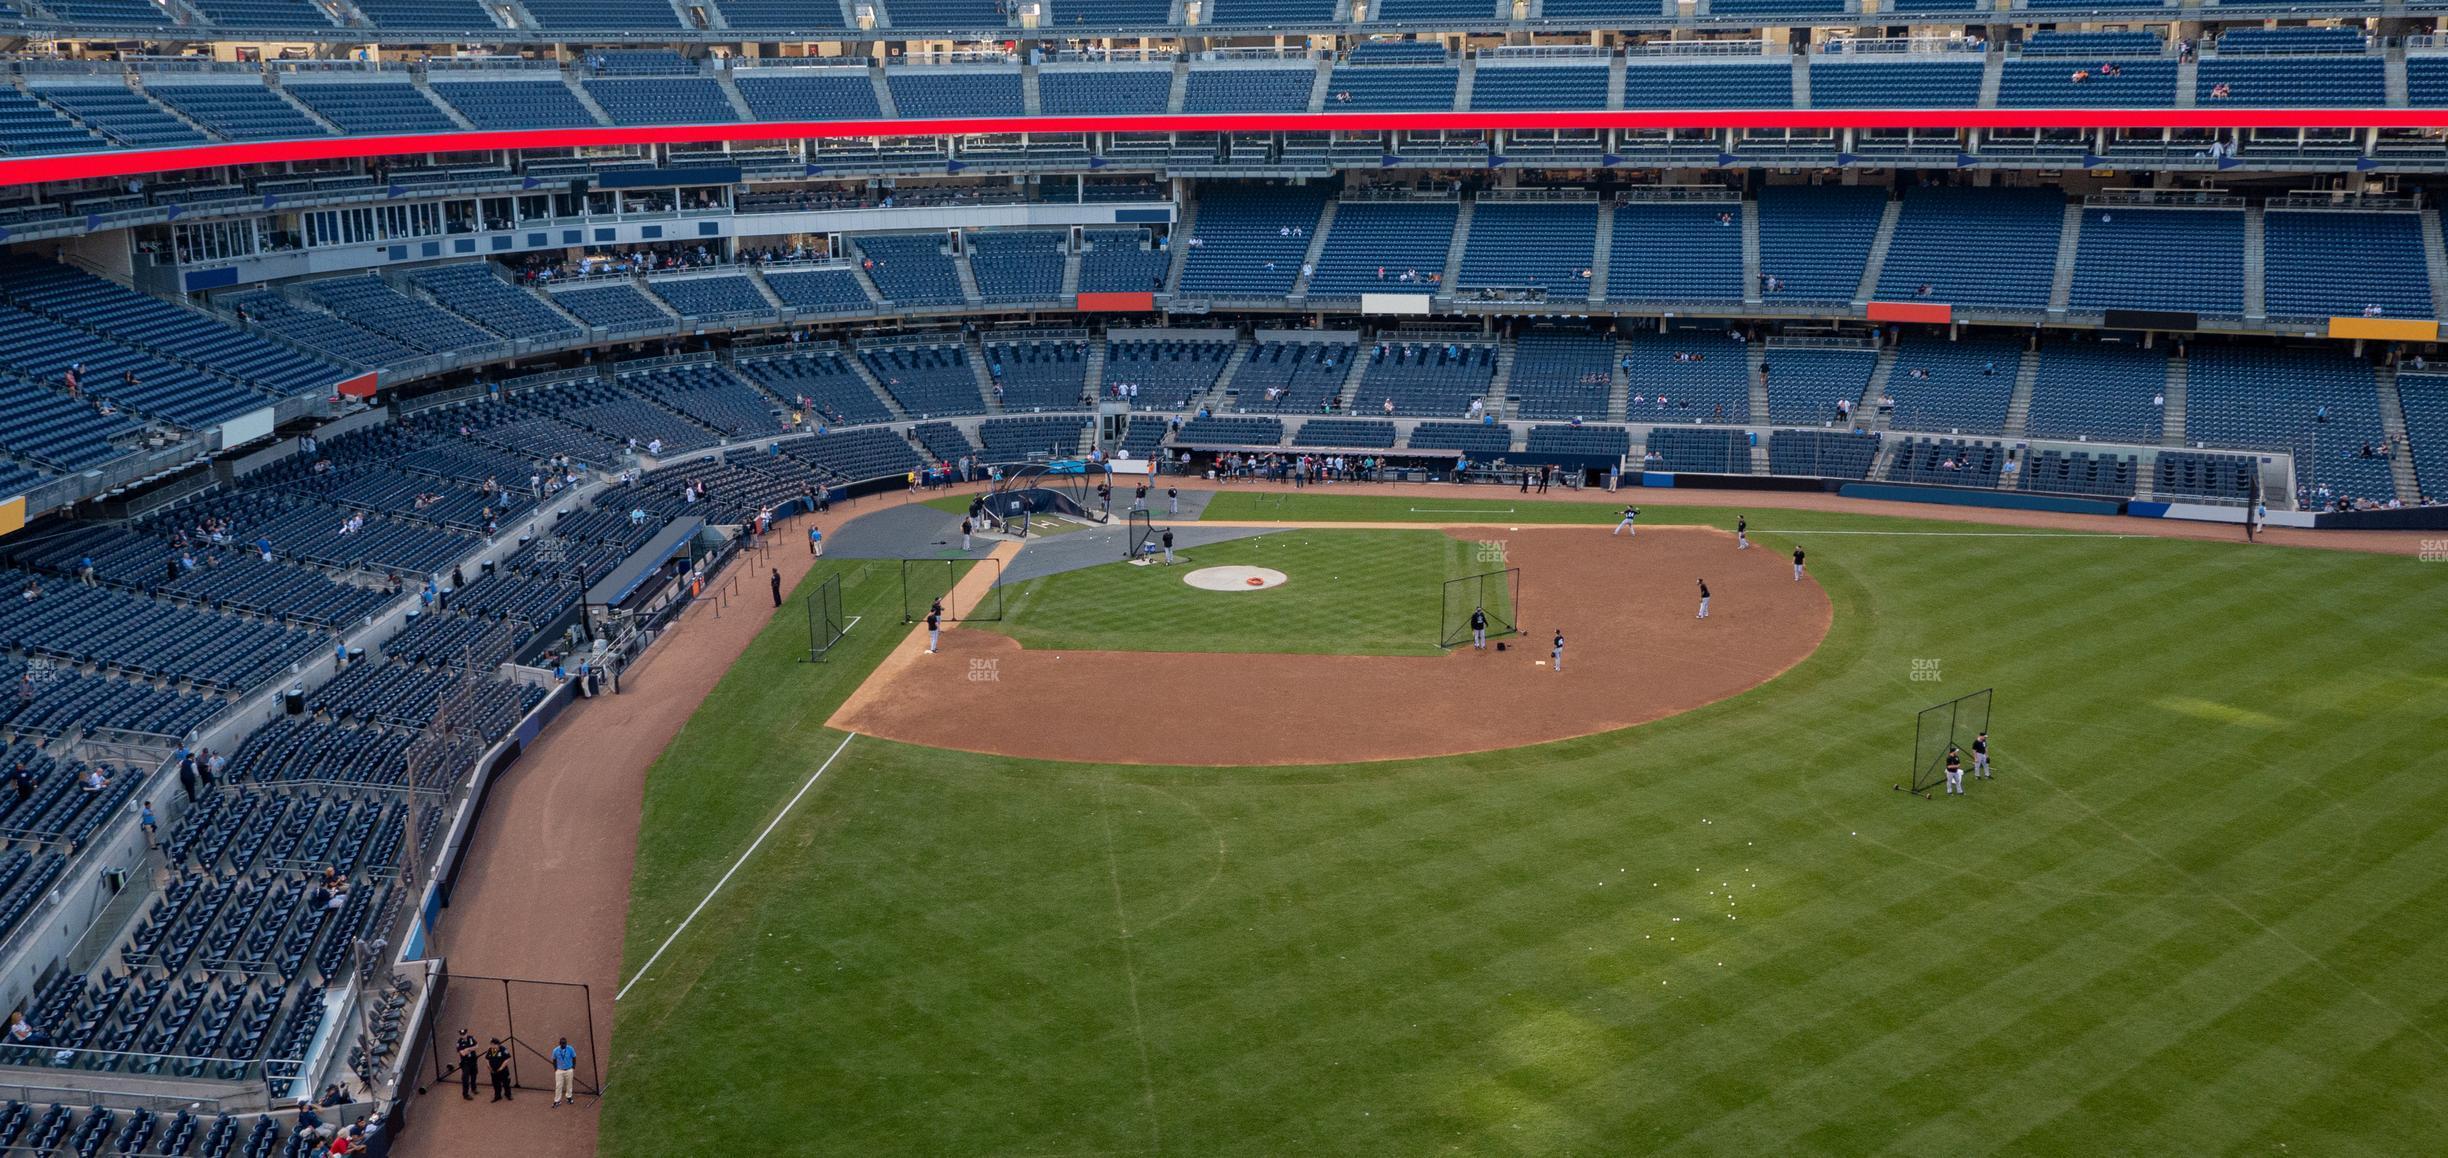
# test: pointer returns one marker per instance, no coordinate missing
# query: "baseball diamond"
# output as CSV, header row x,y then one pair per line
x,y
1224,579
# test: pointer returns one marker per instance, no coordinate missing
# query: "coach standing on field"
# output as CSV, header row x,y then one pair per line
x,y
1479,628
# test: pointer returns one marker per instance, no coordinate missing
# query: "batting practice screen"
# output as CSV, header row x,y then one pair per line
x,y
1142,533
1496,592
926,582
1951,724
826,623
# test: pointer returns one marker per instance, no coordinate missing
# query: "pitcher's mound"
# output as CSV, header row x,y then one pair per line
x,y
1234,578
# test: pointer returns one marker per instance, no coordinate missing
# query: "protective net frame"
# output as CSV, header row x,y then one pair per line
x,y
1953,723
1499,592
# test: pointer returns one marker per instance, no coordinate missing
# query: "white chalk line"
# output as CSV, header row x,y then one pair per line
x,y
1960,534
735,867
1460,511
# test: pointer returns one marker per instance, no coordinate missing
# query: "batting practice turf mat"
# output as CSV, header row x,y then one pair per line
x,y
2200,908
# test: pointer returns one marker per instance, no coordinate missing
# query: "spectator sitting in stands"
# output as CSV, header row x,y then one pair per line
x,y
2220,92
94,780
22,1032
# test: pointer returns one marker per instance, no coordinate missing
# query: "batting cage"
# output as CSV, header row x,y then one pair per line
x,y
826,623
928,583
530,1017
1496,592
1143,537
1951,724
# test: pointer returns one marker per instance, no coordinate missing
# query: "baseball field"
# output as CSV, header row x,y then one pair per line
x,y
2202,908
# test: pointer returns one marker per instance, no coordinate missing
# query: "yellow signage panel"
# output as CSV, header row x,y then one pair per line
x,y
2384,329
12,515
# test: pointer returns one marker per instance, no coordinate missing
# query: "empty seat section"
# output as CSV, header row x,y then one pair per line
x,y
2281,82
1249,240
240,112
1248,90
2109,391
1018,265
910,269
2291,399
1169,372
1391,88
473,290
1687,376
1103,90
1805,382
928,93
819,290
1563,372
664,101
1499,88
1292,377
1958,387
1549,245
2163,259
122,115
1122,261
2324,263
1862,84
1680,85
1815,240
1385,247
1039,373
779,94
1676,251
382,107
1431,377
2015,231
927,380
515,104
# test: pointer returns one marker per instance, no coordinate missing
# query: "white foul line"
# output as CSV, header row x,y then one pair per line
x,y
735,867
1968,534
1460,511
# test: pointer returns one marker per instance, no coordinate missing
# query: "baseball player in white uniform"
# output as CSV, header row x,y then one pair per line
x,y
1630,513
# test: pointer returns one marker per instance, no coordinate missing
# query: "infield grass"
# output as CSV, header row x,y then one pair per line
x,y
1357,592
2202,910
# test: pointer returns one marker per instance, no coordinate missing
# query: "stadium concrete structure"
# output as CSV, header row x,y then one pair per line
x,y
381,379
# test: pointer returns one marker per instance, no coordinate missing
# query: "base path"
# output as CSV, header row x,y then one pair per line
x,y
1635,652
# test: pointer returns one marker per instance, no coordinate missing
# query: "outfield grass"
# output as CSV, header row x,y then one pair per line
x,y
2204,909
1346,593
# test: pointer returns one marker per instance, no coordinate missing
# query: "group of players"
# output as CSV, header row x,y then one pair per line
x,y
1631,516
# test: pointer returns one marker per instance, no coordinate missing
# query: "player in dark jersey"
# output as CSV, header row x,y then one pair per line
x,y
1703,600
1797,564
1954,771
1479,628
1980,756
1742,532
1559,649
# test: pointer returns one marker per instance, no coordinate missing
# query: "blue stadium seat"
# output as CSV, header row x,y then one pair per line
x,y
1547,244
1676,251
1384,247
1103,90
1815,240
1248,90
1538,87
2325,263
1249,240
2015,230
515,104
2161,259
2109,391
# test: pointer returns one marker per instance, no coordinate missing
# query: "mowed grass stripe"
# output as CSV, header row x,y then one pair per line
x,y
1415,958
